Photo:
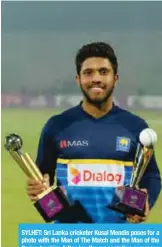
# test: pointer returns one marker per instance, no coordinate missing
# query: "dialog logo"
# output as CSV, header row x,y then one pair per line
x,y
96,175
76,175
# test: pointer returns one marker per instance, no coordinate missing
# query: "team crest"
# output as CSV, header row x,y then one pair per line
x,y
123,144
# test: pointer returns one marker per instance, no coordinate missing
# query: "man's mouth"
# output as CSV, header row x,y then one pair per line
x,y
97,89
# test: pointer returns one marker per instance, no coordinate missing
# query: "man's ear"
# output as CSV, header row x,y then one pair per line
x,y
77,79
116,79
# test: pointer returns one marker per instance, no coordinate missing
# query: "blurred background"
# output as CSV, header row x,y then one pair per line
x,y
39,43
40,40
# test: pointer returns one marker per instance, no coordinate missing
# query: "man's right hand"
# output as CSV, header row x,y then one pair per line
x,y
34,187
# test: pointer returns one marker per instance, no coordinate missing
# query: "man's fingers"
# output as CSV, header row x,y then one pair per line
x,y
33,182
33,198
147,208
46,177
46,180
34,187
132,220
144,190
38,186
135,219
35,191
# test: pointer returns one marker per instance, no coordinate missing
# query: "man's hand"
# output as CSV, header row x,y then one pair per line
x,y
34,187
137,218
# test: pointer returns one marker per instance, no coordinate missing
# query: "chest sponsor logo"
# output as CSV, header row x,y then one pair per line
x,y
96,175
74,143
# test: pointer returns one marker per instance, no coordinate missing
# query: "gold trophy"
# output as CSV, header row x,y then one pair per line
x,y
52,204
130,199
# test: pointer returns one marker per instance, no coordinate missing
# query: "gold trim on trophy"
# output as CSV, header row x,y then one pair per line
x,y
13,144
147,154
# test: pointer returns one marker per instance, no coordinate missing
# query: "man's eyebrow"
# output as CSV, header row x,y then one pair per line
x,y
88,68
100,68
107,68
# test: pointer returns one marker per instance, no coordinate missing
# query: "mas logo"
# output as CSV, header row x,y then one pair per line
x,y
123,144
73,143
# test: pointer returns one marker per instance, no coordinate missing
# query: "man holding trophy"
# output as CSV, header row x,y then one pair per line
x,y
95,161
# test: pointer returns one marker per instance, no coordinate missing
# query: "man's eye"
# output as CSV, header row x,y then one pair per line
x,y
88,72
103,71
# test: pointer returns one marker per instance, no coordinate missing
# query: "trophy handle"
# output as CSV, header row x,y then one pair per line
x,y
148,152
140,164
33,166
27,165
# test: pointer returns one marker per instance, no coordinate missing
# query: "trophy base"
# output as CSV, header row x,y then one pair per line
x,y
128,200
125,209
51,203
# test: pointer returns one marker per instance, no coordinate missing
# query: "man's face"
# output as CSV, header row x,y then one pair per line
x,y
97,79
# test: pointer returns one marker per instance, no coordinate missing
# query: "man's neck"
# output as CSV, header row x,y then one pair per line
x,y
97,111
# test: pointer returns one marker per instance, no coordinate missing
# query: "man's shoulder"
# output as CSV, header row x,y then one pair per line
x,y
130,115
132,119
63,118
67,114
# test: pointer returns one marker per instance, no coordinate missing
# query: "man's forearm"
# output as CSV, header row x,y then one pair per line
x,y
153,185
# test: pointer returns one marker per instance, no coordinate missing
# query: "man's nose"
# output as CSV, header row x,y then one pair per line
x,y
96,77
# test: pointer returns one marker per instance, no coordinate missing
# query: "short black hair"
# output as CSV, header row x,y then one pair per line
x,y
96,49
